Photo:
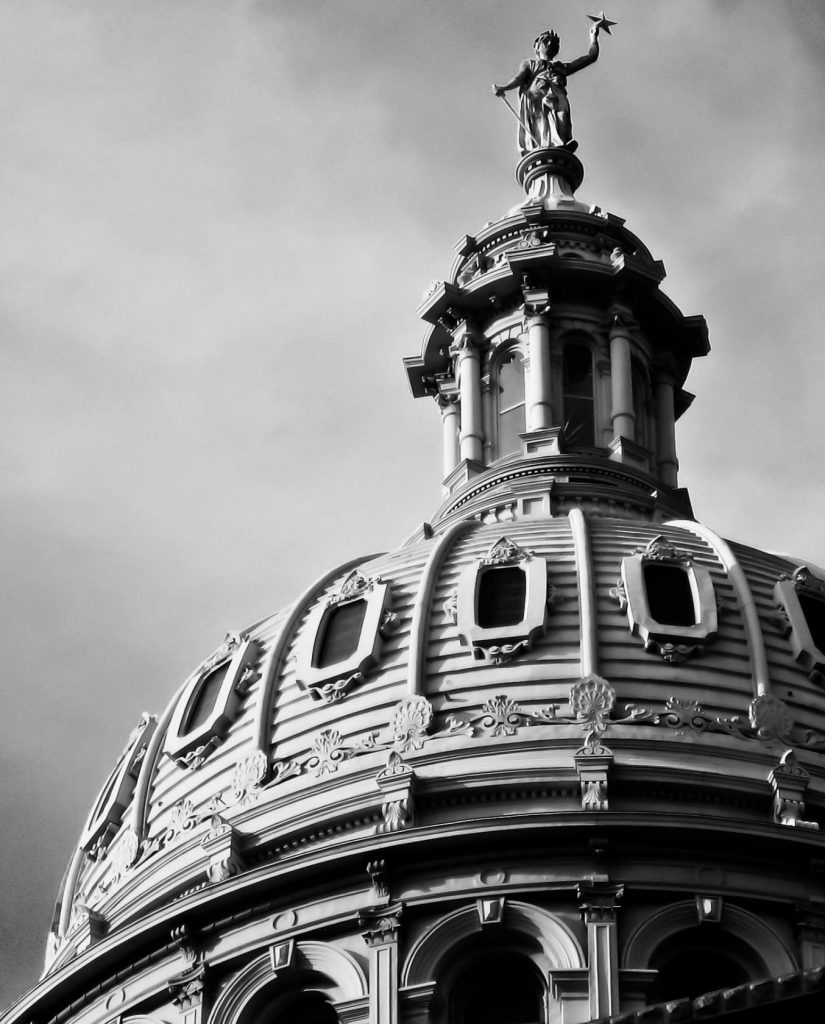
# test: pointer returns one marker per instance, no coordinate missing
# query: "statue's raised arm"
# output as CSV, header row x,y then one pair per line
x,y
544,110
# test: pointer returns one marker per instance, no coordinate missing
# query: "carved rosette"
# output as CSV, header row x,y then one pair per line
x,y
410,722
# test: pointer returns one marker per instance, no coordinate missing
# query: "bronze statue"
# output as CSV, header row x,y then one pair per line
x,y
544,118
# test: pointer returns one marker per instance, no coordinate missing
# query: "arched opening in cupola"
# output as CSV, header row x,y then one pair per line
x,y
577,396
497,987
511,413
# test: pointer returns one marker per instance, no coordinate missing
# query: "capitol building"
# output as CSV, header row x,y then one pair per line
x,y
559,757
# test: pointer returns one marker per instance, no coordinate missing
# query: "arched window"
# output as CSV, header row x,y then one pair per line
x,y
511,417
498,988
641,398
702,959
577,395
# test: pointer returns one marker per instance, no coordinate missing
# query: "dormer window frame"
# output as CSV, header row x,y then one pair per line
x,y
333,682
236,652
115,795
673,642
499,644
787,591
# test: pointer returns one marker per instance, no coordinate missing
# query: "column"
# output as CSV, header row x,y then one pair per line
x,y
538,382
468,374
666,427
622,414
599,902
448,406
381,938
487,414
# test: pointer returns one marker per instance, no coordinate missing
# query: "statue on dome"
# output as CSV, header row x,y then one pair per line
x,y
544,116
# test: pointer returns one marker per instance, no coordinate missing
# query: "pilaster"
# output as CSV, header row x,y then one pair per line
x,y
599,902
381,936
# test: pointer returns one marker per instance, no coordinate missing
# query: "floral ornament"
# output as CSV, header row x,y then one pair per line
x,y
247,778
660,549
124,854
409,722
505,552
195,758
329,750
501,716
182,818
771,718
591,701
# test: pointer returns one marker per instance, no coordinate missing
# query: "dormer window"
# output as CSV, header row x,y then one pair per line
x,y
669,600
342,638
801,599
501,602
501,596
669,592
209,703
577,396
339,633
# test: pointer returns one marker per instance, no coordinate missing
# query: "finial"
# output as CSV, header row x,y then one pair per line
x,y
544,109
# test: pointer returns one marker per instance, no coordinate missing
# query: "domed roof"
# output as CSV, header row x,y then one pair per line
x,y
291,740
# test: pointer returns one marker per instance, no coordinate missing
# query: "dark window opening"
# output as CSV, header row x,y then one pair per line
x,y
669,594
305,1008
339,633
511,421
205,698
501,988
814,611
502,591
698,960
577,387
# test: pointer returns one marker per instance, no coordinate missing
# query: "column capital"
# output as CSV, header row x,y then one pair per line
x,y
599,901
381,924
620,320
190,990
536,308
447,401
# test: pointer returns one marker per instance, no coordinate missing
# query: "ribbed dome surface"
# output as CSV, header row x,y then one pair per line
x,y
290,774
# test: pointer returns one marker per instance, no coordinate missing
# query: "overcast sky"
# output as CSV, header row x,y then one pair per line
x,y
216,222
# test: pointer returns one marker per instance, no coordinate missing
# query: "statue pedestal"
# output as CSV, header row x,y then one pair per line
x,y
550,175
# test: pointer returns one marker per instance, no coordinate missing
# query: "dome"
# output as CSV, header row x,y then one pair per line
x,y
557,756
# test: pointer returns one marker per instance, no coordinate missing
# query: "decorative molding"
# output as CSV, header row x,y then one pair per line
x,y
222,847
381,924
789,781
397,783
377,871
769,721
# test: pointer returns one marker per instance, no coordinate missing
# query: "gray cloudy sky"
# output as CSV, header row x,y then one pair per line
x,y
216,222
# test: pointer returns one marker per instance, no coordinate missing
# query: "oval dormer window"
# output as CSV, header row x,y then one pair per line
x,y
669,600
669,594
339,633
502,593
801,597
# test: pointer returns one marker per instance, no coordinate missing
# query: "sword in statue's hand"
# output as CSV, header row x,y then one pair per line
x,y
515,114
